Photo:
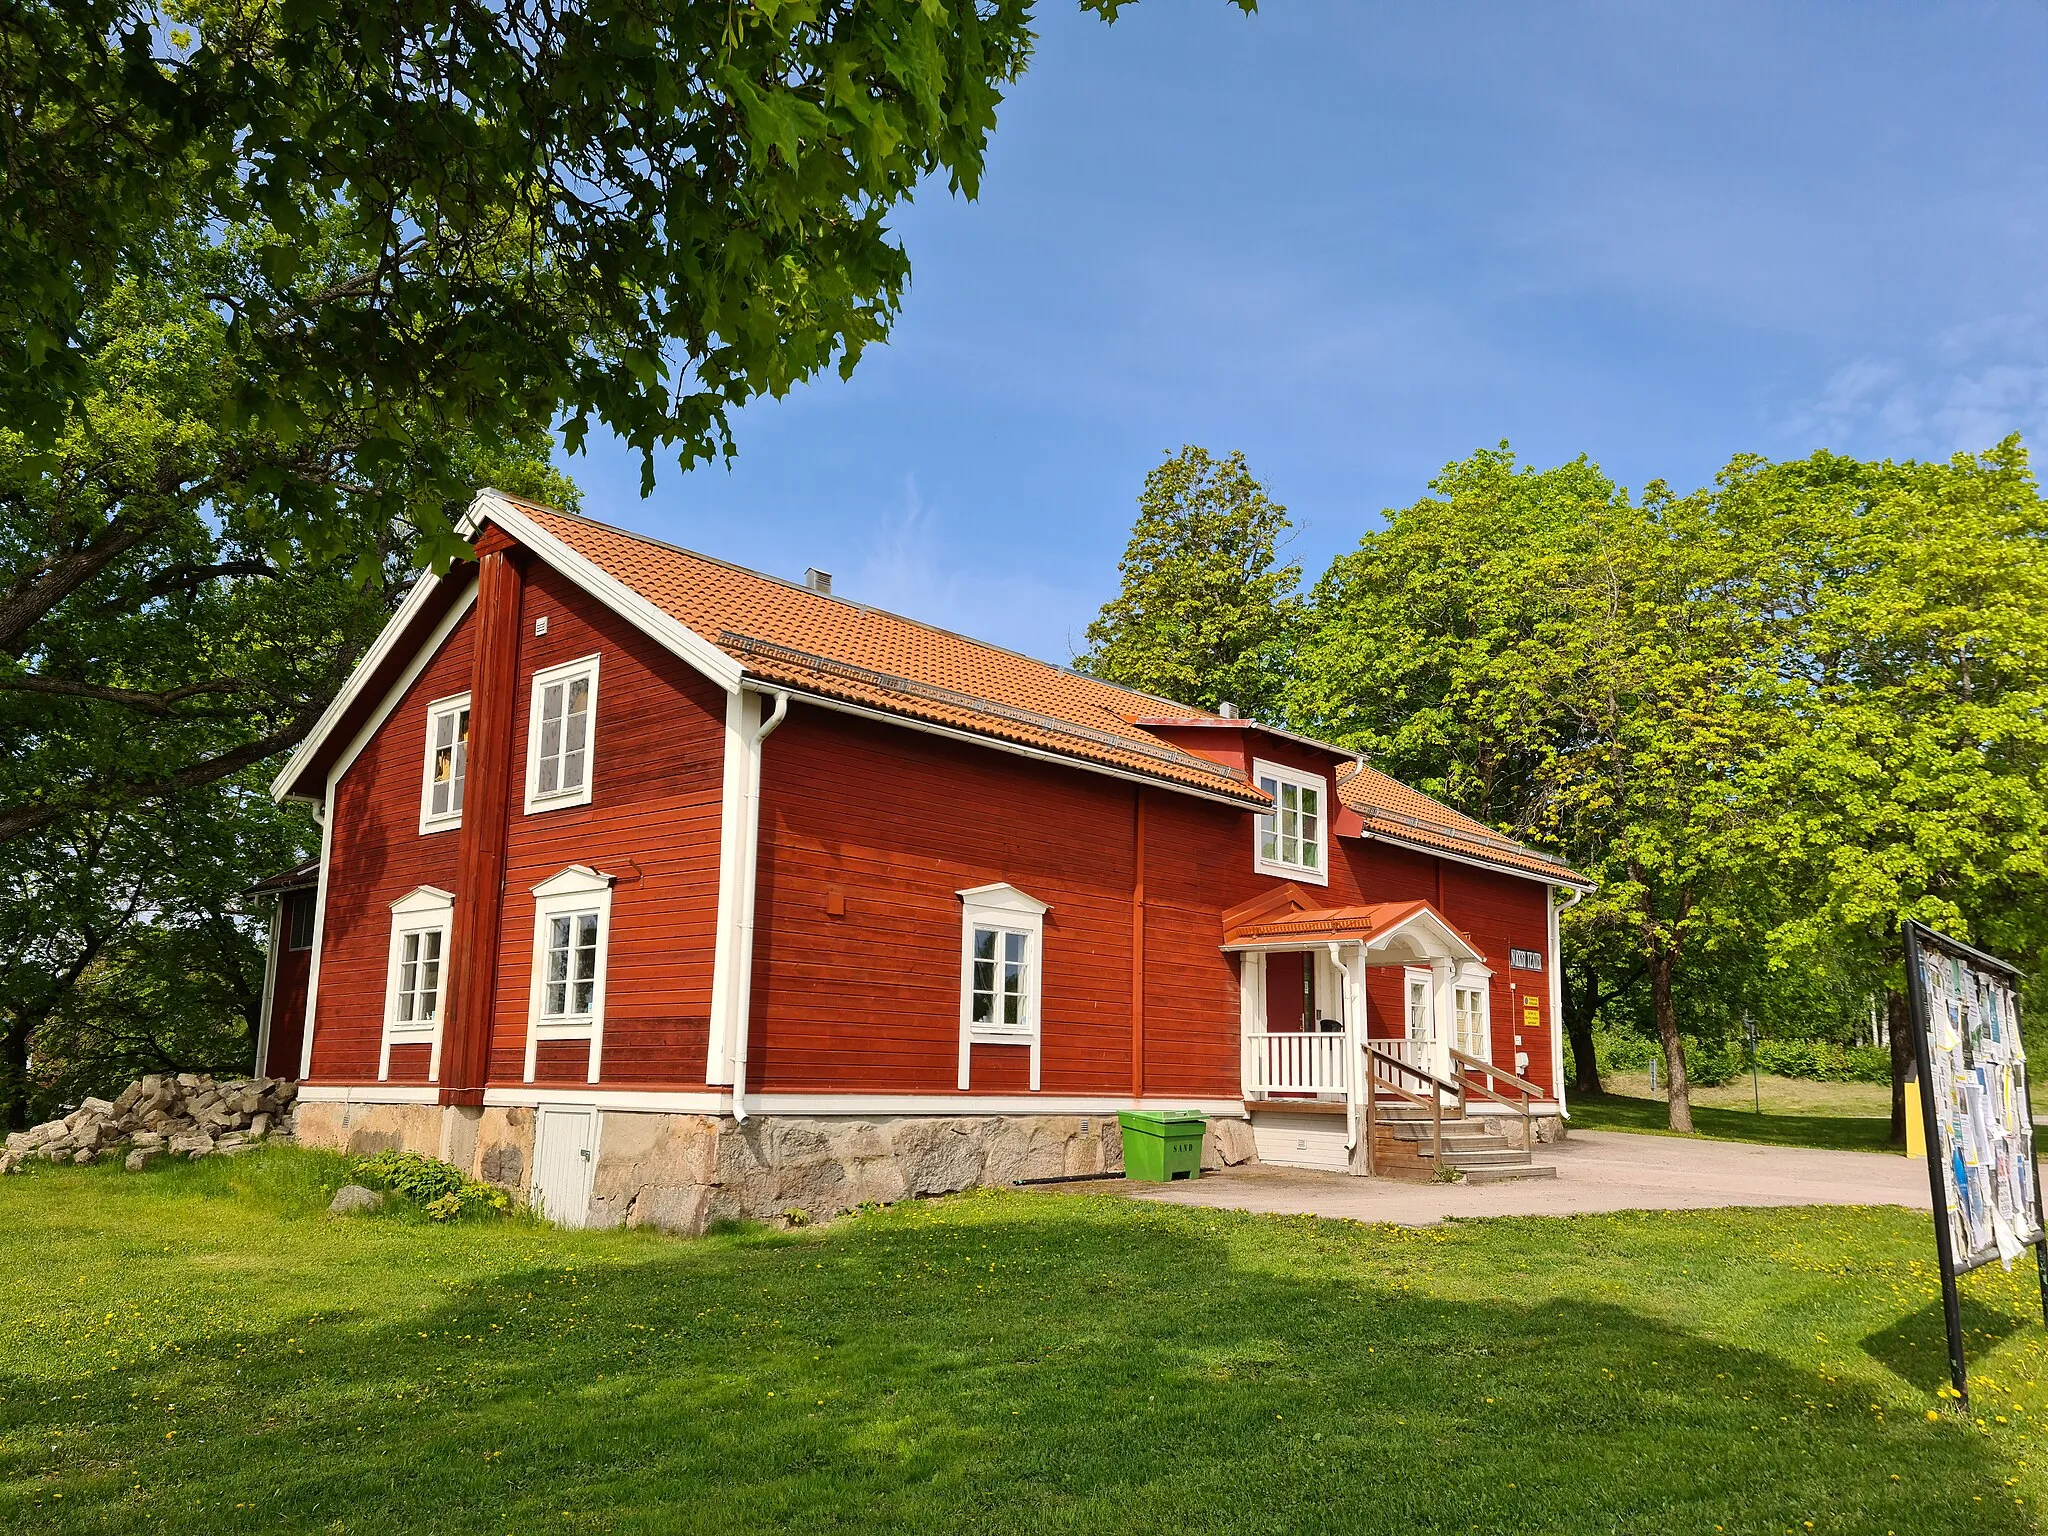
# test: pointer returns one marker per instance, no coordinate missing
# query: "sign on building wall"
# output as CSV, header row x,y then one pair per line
x,y
1525,959
1976,1109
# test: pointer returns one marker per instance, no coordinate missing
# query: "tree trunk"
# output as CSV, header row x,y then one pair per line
x,y
1580,1007
1901,1029
14,1075
1662,964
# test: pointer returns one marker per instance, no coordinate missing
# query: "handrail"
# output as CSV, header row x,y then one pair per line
x,y
1474,1064
1530,1090
1453,1088
1433,1096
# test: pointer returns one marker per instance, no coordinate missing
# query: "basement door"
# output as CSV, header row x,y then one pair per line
x,y
564,1160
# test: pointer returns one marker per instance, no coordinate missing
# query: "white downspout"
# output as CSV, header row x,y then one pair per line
x,y
742,980
1355,1061
1557,998
323,813
269,985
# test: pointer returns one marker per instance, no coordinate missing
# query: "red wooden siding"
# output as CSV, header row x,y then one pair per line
x,y
898,823
376,855
652,824
287,993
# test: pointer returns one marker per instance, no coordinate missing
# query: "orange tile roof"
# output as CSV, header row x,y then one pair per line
x,y
1390,808
785,633
1312,924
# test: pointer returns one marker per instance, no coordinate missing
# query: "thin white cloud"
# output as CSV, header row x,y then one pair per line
x,y
911,566
1975,382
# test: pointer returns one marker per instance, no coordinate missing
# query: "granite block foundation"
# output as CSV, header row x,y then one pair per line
x,y
682,1172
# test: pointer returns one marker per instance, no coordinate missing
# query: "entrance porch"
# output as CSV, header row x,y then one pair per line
x,y
1367,1042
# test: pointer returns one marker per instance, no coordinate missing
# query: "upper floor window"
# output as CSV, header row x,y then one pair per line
x,y
447,763
561,735
1292,839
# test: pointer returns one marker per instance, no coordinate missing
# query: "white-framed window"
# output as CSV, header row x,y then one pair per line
x,y
561,736
1292,840
572,919
1471,1018
447,763
416,976
1418,987
1002,942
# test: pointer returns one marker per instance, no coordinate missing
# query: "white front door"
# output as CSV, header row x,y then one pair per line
x,y
564,1160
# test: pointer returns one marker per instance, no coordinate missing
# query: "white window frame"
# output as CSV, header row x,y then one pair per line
x,y
565,673
454,704
422,910
579,888
1414,976
1280,773
1475,982
1006,909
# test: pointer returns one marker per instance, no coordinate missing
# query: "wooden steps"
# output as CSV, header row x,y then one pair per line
x,y
1468,1146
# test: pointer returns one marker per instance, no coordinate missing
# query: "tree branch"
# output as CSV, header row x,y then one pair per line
x,y
17,821
35,596
159,704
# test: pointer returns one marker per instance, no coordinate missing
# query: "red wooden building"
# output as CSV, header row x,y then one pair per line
x,y
666,889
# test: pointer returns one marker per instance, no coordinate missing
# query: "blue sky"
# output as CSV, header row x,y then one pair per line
x,y
1358,241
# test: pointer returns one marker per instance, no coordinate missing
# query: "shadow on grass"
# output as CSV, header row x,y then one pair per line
x,y
1009,1363
1845,1133
1916,1346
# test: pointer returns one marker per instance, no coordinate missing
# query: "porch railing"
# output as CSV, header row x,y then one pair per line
x,y
1297,1062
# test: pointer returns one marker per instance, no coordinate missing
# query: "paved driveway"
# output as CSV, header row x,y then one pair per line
x,y
1596,1171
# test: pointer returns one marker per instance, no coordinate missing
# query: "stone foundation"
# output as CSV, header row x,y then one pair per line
x,y
682,1172
1547,1128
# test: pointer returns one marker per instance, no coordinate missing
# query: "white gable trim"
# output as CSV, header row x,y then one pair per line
x,y
670,633
1447,938
358,680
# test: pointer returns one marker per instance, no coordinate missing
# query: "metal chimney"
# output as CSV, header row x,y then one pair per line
x,y
818,581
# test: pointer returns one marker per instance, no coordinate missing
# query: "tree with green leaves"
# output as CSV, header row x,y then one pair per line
x,y
1571,667
1908,604
1205,613
212,642
471,219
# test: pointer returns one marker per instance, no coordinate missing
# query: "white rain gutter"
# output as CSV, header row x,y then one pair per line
x,y
742,979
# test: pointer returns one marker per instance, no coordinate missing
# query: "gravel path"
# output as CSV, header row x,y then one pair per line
x,y
1596,1171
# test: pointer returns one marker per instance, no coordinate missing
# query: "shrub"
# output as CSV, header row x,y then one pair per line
x,y
440,1188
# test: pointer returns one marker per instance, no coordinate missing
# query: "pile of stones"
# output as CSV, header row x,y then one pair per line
x,y
189,1115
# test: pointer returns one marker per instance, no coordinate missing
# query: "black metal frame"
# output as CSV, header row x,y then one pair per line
x,y
1919,936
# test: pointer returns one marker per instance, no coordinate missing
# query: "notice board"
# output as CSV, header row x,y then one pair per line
x,y
1977,1113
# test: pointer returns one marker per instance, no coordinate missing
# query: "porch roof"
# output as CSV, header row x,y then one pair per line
x,y
1286,919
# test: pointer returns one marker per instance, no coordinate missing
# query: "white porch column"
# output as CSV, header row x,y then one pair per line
x,y
1356,1066
1251,1011
1443,977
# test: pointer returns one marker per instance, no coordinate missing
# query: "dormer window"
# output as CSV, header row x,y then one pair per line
x,y
1292,839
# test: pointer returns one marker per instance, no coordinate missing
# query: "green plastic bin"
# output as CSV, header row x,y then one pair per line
x,y
1161,1145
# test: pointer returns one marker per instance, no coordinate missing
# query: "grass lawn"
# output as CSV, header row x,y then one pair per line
x,y
198,1348
1852,1117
